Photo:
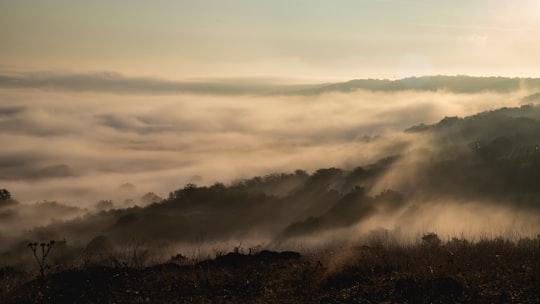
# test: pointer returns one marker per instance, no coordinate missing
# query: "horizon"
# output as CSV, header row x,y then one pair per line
x,y
336,41
74,80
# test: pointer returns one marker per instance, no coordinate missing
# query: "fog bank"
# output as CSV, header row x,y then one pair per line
x,y
79,147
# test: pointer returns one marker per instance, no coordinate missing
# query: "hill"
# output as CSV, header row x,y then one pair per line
x,y
491,159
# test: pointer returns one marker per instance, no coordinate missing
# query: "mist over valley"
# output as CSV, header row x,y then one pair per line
x,y
283,171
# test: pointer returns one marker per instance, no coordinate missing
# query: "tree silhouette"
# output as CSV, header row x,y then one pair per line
x,y
5,198
4,195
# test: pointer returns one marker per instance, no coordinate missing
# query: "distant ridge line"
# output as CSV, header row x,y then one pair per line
x,y
111,82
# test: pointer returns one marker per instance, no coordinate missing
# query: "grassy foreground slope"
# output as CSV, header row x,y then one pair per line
x,y
488,271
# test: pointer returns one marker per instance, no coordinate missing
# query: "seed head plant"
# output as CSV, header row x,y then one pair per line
x,y
41,255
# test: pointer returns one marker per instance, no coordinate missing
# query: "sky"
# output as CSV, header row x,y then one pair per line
x,y
302,40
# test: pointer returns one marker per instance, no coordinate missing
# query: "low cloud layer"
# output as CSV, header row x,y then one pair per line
x,y
411,162
110,82
76,153
78,147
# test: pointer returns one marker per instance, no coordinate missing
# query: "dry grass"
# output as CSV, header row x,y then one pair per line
x,y
457,271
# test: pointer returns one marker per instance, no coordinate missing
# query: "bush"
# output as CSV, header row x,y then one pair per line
x,y
431,239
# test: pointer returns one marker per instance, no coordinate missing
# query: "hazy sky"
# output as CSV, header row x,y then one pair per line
x,y
318,40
